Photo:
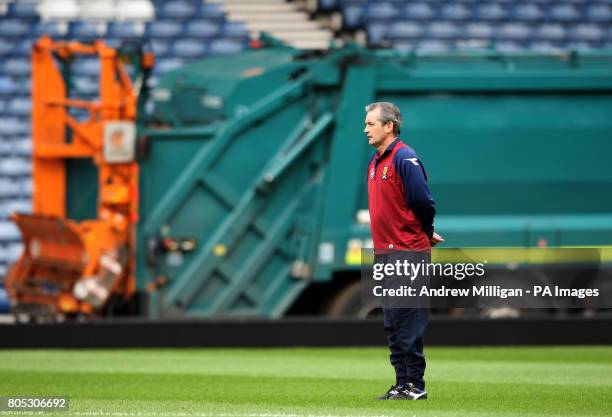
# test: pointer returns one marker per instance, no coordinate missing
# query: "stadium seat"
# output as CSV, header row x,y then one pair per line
x,y
17,66
455,11
25,185
13,166
103,10
18,206
21,146
86,85
377,33
14,251
6,47
419,11
23,48
125,30
25,85
165,65
189,48
527,12
442,30
8,232
513,31
599,13
23,10
490,11
136,10
86,30
86,66
352,17
9,187
235,30
550,31
14,28
161,48
62,10
7,86
210,11
405,30
176,10
480,30
563,13
587,32
225,47
383,11
202,28
53,29
164,29
19,107
433,46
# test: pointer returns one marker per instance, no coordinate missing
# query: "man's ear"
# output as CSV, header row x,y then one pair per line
x,y
389,127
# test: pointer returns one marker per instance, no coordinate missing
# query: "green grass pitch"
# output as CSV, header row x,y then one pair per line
x,y
513,381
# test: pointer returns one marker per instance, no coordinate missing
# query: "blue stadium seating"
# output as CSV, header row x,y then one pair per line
x,y
6,47
87,67
13,126
85,85
202,28
235,30
419,11
8,231
211,11
164,29
86,30
23,10
509,25
19,106
123,30
14,28
176,10
53,29
14,166
599,13
225,47
164,65
189,48
16,66
455,11
160,48
7,86
564,13
527,12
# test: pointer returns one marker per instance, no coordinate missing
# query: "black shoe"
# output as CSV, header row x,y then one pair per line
x,y
404,392
393,391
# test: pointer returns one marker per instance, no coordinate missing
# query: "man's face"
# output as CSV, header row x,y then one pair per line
x,y
376,132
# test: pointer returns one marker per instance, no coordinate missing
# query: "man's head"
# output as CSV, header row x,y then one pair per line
x,y
382,124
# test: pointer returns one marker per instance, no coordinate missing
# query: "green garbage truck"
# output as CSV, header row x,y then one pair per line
x,y
253,198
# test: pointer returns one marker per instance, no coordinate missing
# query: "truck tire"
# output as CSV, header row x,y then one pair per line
x,y
347,303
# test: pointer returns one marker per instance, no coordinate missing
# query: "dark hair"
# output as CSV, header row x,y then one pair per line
x,y
389,112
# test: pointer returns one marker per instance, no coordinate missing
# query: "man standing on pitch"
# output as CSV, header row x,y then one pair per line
x,y
402,212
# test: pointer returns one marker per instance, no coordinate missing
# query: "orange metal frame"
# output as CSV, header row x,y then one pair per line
x,y
57,249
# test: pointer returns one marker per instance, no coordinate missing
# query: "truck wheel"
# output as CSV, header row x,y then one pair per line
x,y
347,303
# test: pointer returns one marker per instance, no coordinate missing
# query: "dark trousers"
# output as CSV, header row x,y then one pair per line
x,y
405,323
405,328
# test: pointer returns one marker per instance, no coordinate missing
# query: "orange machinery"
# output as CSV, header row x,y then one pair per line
x,y
69,267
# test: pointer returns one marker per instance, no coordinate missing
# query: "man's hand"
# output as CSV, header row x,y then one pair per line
x,y
435,239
